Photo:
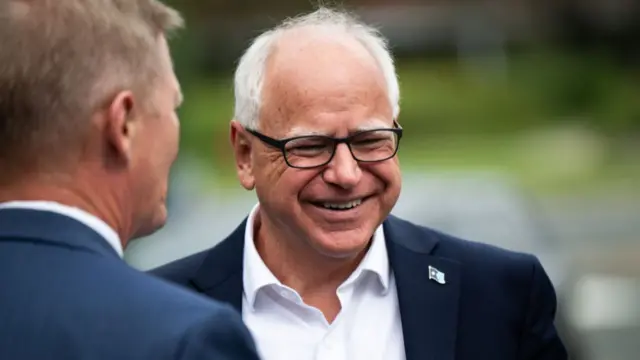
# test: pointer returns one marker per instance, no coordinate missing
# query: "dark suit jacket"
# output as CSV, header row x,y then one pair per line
x,y
495,304
65,294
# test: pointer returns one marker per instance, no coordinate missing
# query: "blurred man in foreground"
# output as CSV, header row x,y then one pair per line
x,y
88,132
319,269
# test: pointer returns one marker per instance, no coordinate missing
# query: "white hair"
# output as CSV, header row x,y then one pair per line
x,y
249,75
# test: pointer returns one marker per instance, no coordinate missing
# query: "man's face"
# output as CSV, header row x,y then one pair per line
x,y
329,88
157,141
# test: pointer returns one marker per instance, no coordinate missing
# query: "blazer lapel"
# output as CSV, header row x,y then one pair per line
x,y
220,275
428,308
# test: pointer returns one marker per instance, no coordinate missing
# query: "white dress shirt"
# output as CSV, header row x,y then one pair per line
x,y
285,328
82,216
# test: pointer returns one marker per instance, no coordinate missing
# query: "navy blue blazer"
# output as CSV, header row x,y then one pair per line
x,y
65,294
495,304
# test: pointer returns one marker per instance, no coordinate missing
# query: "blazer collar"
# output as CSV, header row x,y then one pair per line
x,y
53,228
220,275
429,309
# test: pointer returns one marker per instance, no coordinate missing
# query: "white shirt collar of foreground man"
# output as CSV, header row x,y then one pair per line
x,y
368,326
93,222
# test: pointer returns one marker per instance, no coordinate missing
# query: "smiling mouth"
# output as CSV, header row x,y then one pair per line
x,y
340,206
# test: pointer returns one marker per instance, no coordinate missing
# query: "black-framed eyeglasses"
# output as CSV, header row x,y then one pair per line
x,y
310,151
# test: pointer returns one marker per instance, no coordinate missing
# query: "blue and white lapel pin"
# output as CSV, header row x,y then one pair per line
x,y
436,275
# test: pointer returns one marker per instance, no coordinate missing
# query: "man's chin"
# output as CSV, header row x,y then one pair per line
x,y
342,244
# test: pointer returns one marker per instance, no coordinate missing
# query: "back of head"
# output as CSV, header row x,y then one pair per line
x,y
60,62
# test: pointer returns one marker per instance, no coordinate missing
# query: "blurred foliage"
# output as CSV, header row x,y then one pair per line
x,y
531,91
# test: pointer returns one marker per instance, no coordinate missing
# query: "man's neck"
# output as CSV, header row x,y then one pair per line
x,y
315,277
61,192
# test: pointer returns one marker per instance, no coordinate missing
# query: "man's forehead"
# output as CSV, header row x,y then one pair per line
x,y
338,88
363,126
302,63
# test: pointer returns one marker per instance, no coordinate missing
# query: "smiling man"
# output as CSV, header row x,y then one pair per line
x,y
319,269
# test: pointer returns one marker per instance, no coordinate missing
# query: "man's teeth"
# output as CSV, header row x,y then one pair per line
x,y
341,206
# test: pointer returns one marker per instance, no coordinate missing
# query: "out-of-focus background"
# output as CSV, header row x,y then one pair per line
x,y
522,129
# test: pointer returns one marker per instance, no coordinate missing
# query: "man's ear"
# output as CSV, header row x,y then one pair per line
x,y
119,124
242,151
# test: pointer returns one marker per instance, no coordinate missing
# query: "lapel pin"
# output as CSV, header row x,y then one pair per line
x,y
436,275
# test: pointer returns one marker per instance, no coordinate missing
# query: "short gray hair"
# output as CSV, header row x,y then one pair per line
x,y
62,60
250,73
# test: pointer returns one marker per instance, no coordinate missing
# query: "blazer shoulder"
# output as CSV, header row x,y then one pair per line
x,y
469,253
216,262
491,270
150,294
482,252
221,337
488,264
181,271
195,327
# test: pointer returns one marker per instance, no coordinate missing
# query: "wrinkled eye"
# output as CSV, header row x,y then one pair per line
x,y
308,146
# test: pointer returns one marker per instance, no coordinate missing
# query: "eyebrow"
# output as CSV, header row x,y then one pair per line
x,y
373,124
369,125
302,131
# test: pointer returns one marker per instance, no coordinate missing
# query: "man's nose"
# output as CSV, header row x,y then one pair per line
x,y
343,170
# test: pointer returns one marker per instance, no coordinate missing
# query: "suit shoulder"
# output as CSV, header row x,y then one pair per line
x,y
226,254
204,323
148,293
488,269
182,270
481,252
467,252
180,321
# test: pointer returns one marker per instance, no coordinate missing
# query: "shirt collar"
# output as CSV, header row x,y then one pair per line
x,y
375,261
82,216
256,275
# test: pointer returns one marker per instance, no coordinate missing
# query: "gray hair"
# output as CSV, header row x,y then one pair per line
x,y
249,75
